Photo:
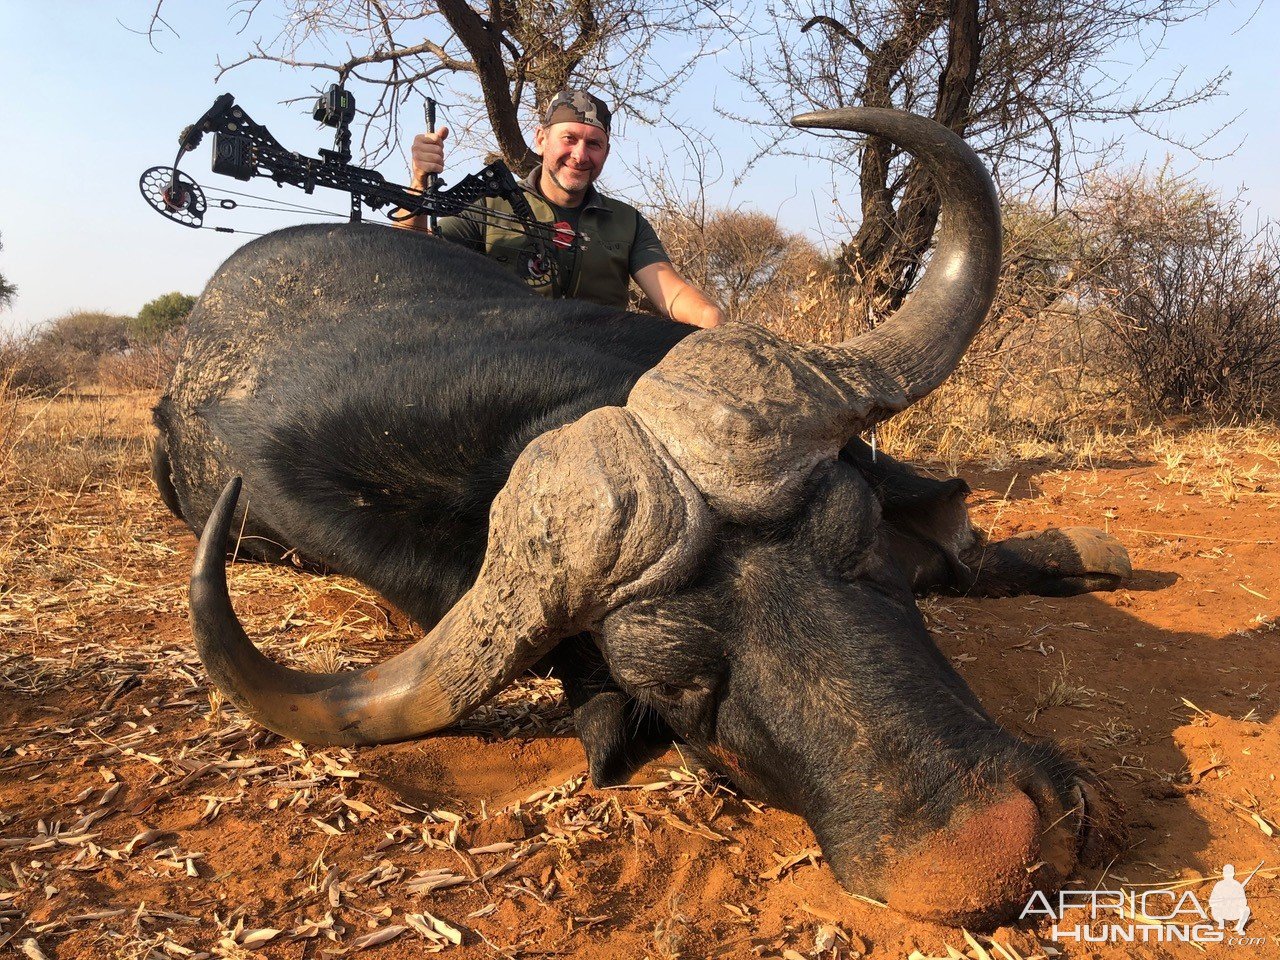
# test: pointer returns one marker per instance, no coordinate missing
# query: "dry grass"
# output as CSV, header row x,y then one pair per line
x,y
1037,389
93,639
954,427
69,476
95,656
1063,691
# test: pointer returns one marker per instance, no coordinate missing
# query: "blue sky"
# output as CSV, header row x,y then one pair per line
x,y
88,105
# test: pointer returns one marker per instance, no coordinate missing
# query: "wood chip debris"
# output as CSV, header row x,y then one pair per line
x,y
434,929
786,864
374,938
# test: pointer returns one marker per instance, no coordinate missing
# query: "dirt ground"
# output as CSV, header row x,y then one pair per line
x,y
140,817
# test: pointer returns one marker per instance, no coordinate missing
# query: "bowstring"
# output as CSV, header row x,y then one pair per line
x,y
544,234
279,205
470,213
474,213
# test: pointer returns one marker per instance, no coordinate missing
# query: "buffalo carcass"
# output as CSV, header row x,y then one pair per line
x,y
555,481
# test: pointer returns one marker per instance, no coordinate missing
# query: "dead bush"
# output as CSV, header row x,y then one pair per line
x,y
753,268
738,257
29,366
1188,295
144,366
89,332
66,352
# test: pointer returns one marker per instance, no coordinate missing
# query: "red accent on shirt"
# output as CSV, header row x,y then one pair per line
x,y
563,235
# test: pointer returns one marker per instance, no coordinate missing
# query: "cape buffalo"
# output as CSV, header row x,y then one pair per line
x,y
681,523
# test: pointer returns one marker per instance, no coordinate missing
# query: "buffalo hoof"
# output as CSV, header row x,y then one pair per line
x,y
1050,563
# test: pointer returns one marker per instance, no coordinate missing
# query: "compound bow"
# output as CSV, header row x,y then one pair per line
x,y
245,149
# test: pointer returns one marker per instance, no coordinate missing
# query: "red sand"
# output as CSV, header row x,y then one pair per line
x,y
1180,674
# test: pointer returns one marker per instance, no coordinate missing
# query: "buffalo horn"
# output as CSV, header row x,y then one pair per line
x,y
336,708
922,343
593,514
748,415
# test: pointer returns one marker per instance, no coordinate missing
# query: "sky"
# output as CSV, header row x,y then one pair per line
x,y
88,105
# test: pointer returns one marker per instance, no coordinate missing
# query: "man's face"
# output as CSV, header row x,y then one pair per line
x,y
573,154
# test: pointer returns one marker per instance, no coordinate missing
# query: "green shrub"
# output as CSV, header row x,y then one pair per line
x,y
161,316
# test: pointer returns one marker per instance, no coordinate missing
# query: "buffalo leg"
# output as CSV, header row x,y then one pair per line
x,y
928,535
618,734
925,527
1050,563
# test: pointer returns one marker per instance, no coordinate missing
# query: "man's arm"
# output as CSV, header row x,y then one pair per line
x,y
677,297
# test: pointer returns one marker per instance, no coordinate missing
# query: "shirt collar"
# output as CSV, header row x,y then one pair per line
x,y
592,201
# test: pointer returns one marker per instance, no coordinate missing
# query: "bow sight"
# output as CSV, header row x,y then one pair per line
x,y
245,150
335,108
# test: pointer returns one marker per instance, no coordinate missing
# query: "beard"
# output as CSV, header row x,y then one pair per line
x,y
590,178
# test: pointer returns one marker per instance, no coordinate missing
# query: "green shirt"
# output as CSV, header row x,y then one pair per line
x,y
604,223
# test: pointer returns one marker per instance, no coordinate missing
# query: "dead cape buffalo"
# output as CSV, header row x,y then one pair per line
x,y
681,524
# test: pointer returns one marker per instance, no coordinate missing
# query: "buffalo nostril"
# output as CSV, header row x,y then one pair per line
x,y
1062,833
978,870
1102,830
1063,837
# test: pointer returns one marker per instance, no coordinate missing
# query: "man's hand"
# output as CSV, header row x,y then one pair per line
x,y
677,297
426,157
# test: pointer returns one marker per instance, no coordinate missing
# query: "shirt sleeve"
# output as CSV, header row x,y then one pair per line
x,y
647,249
465,231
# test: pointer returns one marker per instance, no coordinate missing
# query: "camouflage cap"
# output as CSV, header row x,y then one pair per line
x,y
577,106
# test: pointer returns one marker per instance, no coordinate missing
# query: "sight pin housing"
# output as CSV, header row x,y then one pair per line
x,y
336,107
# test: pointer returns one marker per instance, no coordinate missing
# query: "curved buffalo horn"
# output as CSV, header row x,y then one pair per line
x,y
592,515
921,344
311,707
748,415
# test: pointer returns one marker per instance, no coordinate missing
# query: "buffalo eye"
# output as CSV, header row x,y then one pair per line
x,y
670,691
689,707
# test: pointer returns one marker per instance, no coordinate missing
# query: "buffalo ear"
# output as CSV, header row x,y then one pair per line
x,y
841,519
618,734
